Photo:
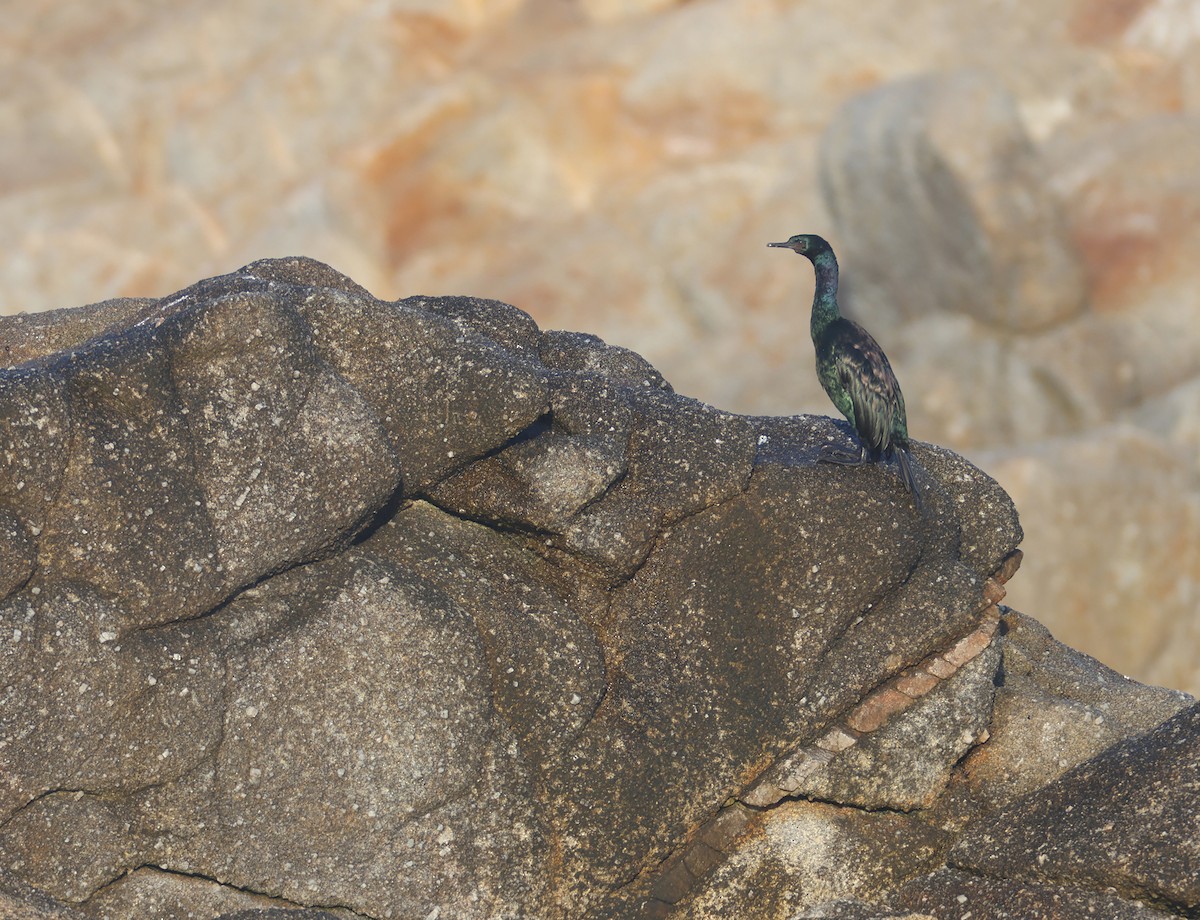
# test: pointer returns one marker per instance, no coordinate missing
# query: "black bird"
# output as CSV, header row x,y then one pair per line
x,y
854,372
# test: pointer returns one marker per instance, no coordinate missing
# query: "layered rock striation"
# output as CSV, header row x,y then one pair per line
x,y
316,602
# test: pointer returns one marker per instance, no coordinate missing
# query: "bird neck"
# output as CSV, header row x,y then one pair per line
x,y
825,305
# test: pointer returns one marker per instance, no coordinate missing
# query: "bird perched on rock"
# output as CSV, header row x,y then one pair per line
x,y
854,371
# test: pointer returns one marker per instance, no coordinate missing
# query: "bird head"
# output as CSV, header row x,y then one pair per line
x,y
806,244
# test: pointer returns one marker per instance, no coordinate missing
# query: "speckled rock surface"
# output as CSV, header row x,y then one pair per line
x,y
150,892
1055,709
908,762
1125,820
802,853
950,893
854,909
408,609
21,901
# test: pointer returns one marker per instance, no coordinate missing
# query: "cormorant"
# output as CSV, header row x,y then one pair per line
x,y
854,372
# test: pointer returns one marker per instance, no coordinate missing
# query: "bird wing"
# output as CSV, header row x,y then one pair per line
x,y
874,393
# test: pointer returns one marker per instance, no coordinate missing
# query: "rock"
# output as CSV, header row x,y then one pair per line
x,y
28,336
17,553
804,853
1090,498
20,901
277,913
266,411
1091,827
988,522
949,155
536,485
907,763
115,712
473,392
149,892
141,538
394,680
502,323
35,432
950,893
1131,205
1055,708
546,669
661,486
539,672
854,909
541,484
71,844
581,353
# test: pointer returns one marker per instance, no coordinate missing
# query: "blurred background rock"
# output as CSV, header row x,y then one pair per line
x,y
1012,186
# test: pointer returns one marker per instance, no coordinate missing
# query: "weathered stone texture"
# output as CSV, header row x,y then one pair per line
x,y
804,853
408,609
150,892
854,909
1125,821
951,893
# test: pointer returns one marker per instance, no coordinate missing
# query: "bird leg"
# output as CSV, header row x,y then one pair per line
x,y
831,453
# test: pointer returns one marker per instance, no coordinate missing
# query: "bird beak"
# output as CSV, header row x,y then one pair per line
x,y
780,245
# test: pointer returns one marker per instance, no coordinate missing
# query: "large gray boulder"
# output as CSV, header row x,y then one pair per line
x,y
409,609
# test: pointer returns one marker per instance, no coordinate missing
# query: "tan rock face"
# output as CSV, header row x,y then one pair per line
x,y
616,166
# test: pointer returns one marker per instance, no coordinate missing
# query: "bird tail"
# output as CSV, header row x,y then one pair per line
x,y
908,476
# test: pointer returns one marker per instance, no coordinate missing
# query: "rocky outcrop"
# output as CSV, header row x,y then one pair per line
x,y
409,609
617,166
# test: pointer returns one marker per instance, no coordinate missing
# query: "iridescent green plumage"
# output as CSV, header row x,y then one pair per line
x,y
854,371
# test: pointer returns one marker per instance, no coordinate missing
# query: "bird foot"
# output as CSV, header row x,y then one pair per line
x,y
831,453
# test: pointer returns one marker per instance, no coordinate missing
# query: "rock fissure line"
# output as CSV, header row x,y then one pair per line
x,y
608,489
235,594
685,868
199,876
396,502
656,540
45,795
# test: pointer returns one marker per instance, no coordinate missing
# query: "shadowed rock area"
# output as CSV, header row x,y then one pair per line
x,y
315,602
